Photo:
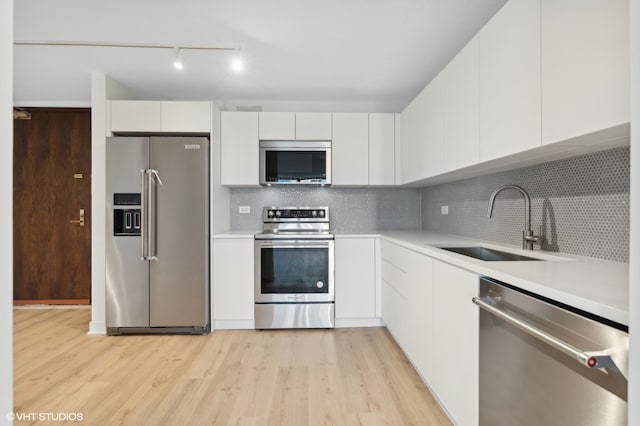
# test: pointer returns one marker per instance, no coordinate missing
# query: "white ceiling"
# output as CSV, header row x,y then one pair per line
x,y
373,54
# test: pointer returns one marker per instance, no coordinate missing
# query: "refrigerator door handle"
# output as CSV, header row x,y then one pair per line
x,y
143,215
156,174
153,192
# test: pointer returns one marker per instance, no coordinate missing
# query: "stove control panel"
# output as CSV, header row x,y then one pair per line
x,y
296,214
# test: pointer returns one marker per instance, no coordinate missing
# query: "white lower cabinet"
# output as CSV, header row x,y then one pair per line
x,y
455,342
406,303
427,308
420,313
233,283
355,288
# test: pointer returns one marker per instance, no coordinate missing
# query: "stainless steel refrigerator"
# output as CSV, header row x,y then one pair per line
x,y
157,242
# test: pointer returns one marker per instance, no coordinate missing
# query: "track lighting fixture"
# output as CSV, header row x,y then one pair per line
x,y
177,60
237,64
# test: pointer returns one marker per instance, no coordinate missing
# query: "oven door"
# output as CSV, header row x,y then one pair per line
x,y
292,271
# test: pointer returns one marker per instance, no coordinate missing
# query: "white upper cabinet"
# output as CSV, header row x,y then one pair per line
x,y
295,125
382,158
277,125
192,117
461,109
422,144
313,126
398,149
413,142
239,148
434,122
135,116
510,80
160,116
585,67
349,149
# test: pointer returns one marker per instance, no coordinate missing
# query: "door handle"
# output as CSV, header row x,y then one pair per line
x,y
80,220
590,359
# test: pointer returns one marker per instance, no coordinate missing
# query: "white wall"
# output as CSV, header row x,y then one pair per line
x,y
102,88
6,213
634,256
98,152
219,194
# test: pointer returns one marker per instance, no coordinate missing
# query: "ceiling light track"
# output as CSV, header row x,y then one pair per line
x,y
114,44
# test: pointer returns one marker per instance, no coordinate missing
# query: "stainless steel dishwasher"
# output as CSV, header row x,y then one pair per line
x,y
544,363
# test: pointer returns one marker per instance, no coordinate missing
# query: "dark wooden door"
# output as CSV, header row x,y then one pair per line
x,y
51,185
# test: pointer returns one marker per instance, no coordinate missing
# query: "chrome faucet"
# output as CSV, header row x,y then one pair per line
x,y
528,239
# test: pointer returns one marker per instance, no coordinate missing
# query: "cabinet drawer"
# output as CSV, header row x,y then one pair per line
x,y
395,277
395,255
394,313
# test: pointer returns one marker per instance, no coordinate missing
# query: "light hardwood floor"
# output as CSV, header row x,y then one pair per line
x,y
244,377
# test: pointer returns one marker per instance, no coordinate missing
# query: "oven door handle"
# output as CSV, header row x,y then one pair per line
x,y
294,243
590,359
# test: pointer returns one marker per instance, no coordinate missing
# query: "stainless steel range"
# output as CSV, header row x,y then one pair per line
x,y
294,272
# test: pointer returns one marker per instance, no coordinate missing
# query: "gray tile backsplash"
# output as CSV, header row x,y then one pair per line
x,y
351,209
580,204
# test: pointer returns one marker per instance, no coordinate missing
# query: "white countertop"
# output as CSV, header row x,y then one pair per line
x,y
597,286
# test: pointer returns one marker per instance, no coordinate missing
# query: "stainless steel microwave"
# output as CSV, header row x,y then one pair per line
x,y
295,162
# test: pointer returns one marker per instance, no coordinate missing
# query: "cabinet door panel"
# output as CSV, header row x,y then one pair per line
x,y
355,278
239,148
135,116
412,143
510,80
455,342
420,314
313,126
585,67
462,109
277,125
382,156
349,149
233,279
185,117
422,145
394,313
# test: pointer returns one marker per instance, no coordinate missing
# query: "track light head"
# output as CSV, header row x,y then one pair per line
x,y
237,64
177,61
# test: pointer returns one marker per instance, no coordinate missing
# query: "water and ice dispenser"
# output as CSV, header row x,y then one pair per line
x,y
127,218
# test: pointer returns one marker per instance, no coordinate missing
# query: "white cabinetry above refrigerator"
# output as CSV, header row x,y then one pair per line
x,y
158,117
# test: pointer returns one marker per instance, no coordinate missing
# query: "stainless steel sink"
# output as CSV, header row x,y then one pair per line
x,y
487,254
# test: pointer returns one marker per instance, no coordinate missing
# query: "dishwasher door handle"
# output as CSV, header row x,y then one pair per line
x,y
589,359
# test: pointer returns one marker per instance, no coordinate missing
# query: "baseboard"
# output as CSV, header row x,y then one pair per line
x,y
51,302
233,325
358,322
97,328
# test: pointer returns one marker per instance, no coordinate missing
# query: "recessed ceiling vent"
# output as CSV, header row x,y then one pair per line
x,y
249,108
